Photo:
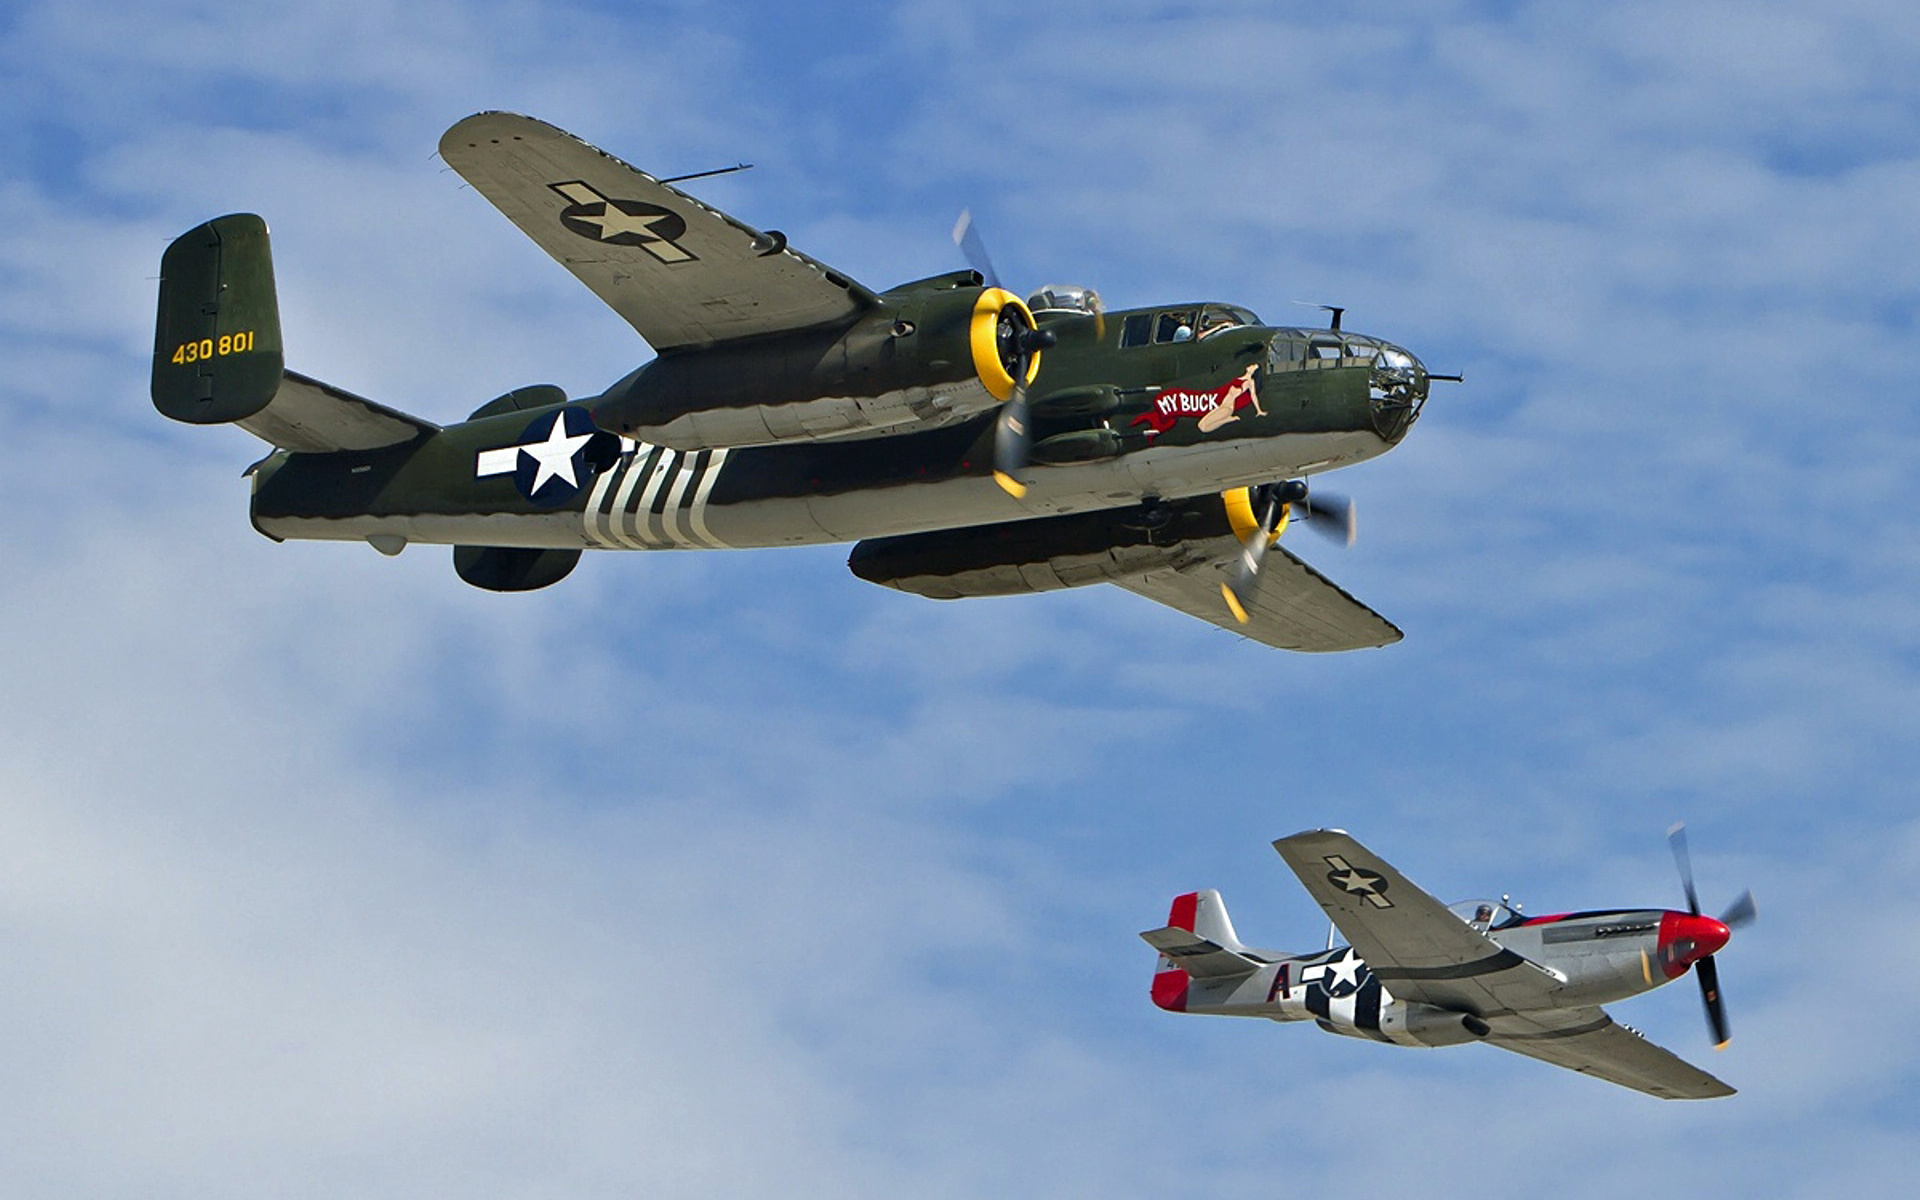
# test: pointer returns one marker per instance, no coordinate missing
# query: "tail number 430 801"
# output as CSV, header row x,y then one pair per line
x,y
225,344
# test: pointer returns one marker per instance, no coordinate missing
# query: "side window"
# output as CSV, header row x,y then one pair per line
x,y
1288,350
1324,347
1216,318
1359,347
1174,326
1138,330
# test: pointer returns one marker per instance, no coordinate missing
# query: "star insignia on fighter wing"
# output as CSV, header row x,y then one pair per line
x,y
1370,886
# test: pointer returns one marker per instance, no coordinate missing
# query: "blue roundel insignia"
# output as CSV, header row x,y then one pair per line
x,y
554,463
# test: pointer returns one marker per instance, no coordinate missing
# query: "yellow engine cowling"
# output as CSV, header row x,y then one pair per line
x,y
996,314
1245,521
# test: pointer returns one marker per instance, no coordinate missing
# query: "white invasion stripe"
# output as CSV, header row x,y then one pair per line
x,y
637,467
659,513
496,462
694,527
674,527
698,509
633,510
594,514
643,523
603,508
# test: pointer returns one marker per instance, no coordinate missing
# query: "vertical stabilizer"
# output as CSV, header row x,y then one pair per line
x,y
216,346
1204,914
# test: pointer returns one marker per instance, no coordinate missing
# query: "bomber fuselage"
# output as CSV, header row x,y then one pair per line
x,y
1128,407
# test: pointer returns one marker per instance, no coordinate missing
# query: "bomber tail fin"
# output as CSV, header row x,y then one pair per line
x,y
217,355
216,346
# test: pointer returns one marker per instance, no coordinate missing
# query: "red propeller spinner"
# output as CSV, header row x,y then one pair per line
x,y
1686,938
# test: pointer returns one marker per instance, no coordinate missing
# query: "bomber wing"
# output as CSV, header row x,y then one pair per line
x,y
1587,1040
1296,607
1416,947
681,273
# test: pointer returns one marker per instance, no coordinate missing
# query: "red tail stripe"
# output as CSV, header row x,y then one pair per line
x,y
1185,909
1170,990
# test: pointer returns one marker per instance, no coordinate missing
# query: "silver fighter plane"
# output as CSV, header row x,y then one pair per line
x,y
1420,973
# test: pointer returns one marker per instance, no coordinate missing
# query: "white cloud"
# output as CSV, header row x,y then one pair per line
x,y
719,875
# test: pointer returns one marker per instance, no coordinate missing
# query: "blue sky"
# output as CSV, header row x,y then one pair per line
x,y
717,875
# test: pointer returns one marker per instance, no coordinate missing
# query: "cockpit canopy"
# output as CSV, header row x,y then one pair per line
x,y
1487,914
1184,323
1064,298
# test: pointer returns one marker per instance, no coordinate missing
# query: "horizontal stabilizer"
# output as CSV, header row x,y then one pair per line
x,y
318,418
1198,956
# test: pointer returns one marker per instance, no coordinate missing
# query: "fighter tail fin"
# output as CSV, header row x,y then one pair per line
x,y
1204,914
1197,942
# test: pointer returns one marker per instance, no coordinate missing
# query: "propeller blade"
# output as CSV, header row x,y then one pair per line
x,y
1677,838
1244,582
1013,431
1330,516
1240,587
973,248
1710,996
1740,912
1012,441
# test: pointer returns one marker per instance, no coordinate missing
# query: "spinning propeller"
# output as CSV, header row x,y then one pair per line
x,y
1018,345
1328,515
1740,912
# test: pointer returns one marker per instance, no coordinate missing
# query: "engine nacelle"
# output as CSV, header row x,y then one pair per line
x,y
932,353
1048,553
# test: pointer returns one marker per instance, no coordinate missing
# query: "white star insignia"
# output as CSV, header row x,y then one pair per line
x,y
1343,975
555,455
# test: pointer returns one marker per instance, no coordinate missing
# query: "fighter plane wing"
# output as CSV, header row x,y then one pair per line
x,y
1296,607
1415,946
680,272
1587,1040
